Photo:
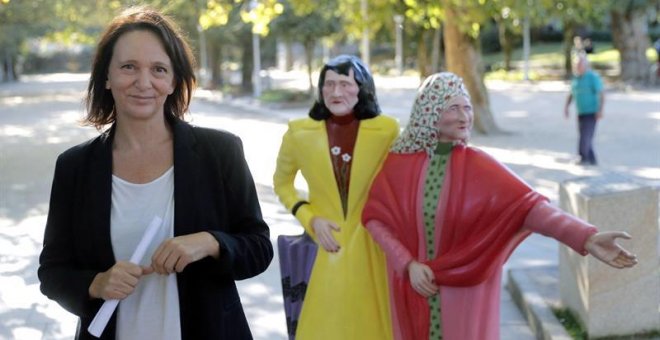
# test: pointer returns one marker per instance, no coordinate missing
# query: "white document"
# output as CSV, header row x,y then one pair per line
x,y
105,312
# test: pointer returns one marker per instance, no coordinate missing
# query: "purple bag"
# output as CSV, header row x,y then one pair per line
x,y
297,254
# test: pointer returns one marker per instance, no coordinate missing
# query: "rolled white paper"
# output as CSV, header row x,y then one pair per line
x,y
105,312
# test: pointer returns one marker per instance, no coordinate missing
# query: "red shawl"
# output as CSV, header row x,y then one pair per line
x,y
481,224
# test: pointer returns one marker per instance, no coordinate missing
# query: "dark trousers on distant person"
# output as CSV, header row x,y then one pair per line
x,y
587,126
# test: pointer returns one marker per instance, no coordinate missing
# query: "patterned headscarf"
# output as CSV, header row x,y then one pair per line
x,y
421,133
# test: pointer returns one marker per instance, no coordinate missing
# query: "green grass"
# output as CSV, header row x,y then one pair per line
x,y
570,323
284,96
547,61
554,53
544,52
575,330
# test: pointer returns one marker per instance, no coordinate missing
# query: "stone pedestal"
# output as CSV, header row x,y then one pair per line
x,y
607,300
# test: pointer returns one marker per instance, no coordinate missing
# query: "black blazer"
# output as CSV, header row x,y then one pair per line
x,y
213,191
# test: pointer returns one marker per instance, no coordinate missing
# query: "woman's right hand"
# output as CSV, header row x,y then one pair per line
x,y
118,282
323,229
422,279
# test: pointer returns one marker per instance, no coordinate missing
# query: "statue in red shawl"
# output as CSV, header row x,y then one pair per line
x,y
448,216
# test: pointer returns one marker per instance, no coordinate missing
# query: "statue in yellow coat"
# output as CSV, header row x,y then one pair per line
x,y
338,150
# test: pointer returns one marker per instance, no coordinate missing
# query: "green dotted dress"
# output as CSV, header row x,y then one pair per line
x,y
435,175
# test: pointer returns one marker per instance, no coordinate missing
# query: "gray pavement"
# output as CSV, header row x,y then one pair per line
x,y
38,120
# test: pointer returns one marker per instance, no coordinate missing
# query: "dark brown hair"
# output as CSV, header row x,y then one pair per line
x,y
99,101
367,105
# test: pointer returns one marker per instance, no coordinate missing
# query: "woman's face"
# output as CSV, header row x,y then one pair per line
x,y
340,92
140,76
455,121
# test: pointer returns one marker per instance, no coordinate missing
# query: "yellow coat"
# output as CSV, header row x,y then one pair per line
x,y
347,296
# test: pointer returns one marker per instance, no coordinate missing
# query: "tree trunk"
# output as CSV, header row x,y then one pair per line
x,y
464,59
215,60
506,42
422,55
247,63
309,59
630,38
9,68
569,32
3,71
435,53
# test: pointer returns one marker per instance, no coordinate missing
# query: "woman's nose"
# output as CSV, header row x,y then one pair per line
x,y
143,80
463,114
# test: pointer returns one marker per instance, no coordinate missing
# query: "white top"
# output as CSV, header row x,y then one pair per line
x,y
152,310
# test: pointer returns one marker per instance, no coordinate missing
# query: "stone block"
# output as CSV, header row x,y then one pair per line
x,y
610,301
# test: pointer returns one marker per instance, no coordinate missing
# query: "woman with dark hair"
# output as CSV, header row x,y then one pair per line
x,y
338,151
448,216
150,163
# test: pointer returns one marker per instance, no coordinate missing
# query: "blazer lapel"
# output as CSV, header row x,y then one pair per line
x,y
100,185
100,181
186,176
313,141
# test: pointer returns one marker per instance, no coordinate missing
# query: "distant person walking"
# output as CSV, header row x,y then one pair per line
x,y
587,90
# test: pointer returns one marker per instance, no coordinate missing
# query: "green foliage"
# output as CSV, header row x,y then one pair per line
x,y
215,14
228,22
300,23
550,53
348,15
260,14
20,20
577,11
568,320
424,13
647,335
257,13
285,96
627,6
490,40
516,75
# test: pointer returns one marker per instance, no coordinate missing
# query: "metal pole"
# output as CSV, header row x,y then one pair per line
x,y
203,60
365,32
256,58
398,58
526,45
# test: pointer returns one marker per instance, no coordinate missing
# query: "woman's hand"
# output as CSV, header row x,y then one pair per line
x,y
603,246
173,255
422,279
323,229
118,282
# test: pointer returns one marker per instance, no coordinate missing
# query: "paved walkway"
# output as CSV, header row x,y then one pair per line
x,y
38,121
